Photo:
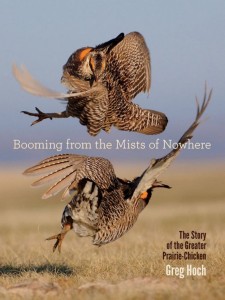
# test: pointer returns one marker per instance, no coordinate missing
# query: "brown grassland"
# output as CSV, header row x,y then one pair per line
x,y
129,268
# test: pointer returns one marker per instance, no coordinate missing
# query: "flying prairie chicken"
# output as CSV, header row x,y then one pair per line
x,y
103,206
102,82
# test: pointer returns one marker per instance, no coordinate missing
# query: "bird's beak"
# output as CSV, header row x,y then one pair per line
x,y
63,79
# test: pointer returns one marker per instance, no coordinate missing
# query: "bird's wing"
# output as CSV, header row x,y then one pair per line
x,y
129,65
33,86
158,166
67,170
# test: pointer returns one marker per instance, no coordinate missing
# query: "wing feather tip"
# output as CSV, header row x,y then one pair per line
x,y
46,196
28,172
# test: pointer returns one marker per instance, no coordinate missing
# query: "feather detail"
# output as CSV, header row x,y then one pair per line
x,y
33,86
70,169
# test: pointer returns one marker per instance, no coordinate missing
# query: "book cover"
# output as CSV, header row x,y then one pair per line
x,y
175,250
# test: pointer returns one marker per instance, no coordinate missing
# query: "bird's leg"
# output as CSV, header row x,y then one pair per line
x,y
41,115
59,237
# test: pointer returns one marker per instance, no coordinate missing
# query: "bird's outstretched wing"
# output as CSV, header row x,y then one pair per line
x,y
129,65
33,86
158,166
67,170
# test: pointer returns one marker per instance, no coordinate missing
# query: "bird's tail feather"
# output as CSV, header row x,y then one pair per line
x,y
134,118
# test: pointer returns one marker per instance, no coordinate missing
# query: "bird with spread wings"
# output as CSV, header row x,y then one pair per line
x,y
103,206
102,81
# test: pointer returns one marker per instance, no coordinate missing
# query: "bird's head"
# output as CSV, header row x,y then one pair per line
x,y
88,63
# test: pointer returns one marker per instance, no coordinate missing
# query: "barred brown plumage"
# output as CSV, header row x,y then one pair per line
x,y
102,83
103,206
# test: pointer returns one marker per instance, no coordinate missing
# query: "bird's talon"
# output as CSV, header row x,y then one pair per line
x,y
40,115
59,238
57,244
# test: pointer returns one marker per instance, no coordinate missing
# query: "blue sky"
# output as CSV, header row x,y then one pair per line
x,y
187,45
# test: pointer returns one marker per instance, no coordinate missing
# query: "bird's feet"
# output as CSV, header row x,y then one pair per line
x,y
41,115
59,237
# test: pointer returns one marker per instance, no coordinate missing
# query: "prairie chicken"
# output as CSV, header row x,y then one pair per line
x,y
102,82
103,206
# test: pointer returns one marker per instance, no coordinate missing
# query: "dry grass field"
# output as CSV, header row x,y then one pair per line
x,y
130,268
